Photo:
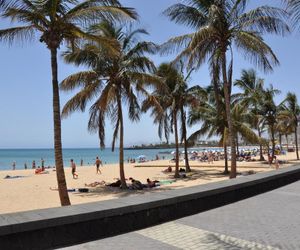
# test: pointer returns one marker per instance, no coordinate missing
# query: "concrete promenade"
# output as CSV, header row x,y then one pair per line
x,y
267,221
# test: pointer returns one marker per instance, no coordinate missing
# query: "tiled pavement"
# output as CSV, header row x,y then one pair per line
x,y
266,221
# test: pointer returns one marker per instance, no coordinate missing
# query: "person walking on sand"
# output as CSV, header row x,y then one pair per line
x,y
73,167
98,162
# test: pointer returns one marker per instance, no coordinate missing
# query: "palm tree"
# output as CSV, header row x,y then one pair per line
x,y
285,126
219,25
270,112
57,22
165,104
214,122
188,98
291,105
251,98
113,79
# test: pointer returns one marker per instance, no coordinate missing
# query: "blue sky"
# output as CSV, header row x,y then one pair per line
x,y
26,93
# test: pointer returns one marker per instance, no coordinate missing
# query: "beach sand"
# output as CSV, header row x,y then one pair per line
x,y
33,191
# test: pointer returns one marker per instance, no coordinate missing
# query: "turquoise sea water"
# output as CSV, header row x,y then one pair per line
x,y
88,155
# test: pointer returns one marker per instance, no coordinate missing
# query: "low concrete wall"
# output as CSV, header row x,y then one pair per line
x,y
64,226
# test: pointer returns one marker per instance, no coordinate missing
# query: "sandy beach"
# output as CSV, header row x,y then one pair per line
x,y
32,191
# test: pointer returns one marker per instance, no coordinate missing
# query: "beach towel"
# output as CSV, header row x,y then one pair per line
x,y
166,182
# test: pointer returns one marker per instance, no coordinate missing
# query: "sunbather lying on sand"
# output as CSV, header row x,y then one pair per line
x,y
135,184
152,184
114,184
95,184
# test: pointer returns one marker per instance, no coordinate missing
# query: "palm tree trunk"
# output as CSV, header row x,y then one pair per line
x,y
296,141
186,156
226,159
121,152
261,155
237,142
60,173
231,133
176,144
273,142
280,141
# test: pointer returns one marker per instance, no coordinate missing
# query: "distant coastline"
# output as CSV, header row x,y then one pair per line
x,y
171,146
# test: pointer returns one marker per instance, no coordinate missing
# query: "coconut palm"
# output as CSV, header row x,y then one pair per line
x,y
219,26
270,111
164,103
251,98
291,105
168,104
188,98
214,122
284,126
57,22
112,79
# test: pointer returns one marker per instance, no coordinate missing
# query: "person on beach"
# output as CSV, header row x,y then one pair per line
x,y
43,164
152,184
276,164
14,165
25,165
98,162
81,162
135,184
73,166
33,164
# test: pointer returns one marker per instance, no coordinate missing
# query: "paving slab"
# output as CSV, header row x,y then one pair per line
x,y
268,221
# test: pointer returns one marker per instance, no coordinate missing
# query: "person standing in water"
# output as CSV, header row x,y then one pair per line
x,y
33,164
98,162
14,165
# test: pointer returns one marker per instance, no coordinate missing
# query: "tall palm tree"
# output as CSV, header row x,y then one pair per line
x,y
57,22
219,26
188,98
284,126
270,111
113,80
251,98
165,104
214,122
291,105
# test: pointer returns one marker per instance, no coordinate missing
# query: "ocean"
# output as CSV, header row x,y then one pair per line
x,y
88,155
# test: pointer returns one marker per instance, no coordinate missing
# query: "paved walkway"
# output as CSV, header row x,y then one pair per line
x,y
266,221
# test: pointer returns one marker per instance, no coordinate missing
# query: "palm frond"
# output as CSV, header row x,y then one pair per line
x,y
18,34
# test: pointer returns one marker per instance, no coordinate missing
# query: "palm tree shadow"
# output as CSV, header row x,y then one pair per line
x,y
203,175
227,242
103,191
